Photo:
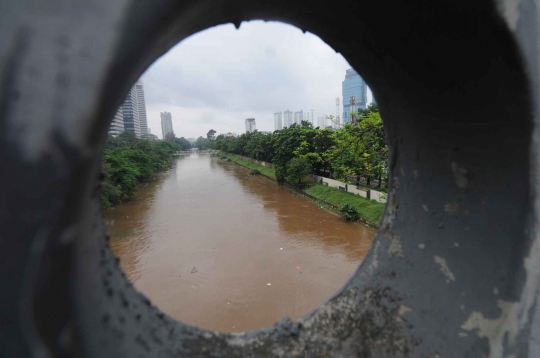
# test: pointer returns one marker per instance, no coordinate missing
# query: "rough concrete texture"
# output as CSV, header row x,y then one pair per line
x,y
454,270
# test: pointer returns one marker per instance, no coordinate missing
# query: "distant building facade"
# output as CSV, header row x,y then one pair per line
x,y
166,123
353,86
251,126
298,117
278,121
143,123
321,121
288,118
130,112
117,124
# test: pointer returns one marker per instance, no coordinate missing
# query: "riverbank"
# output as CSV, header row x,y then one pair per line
x,y
370,211
128,161
220,249
269,172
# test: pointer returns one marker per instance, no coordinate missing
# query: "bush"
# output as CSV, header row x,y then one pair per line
x,y
297,169
229,160
223,156
280,172
254,172
349,212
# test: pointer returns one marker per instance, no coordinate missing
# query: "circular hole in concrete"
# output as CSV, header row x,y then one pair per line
x,y
208,243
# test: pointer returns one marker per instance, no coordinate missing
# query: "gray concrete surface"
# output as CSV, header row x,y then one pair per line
x,y
454,270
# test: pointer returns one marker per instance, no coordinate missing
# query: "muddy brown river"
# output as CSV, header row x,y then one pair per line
x,y
218,248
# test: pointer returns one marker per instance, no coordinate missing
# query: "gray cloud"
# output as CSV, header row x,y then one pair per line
x,y
221,76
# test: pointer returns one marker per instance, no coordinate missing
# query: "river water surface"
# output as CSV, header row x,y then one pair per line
x,y
218,248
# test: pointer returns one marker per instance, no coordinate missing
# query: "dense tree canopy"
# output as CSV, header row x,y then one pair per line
x,y
353,151
128,161
202,143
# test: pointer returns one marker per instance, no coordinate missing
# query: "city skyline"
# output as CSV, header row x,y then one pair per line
x,y
220,76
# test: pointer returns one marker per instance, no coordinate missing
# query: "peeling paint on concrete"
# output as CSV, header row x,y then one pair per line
x,y
444,267
395,247
460,175
451,208
496,330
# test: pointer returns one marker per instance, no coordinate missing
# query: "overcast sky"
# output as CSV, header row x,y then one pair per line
x,y
219,77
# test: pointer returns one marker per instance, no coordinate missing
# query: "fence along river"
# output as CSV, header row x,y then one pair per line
x,y
216,247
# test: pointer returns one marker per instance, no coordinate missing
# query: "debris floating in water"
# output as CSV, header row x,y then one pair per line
x,y
268,284
194,270
281,248
298,267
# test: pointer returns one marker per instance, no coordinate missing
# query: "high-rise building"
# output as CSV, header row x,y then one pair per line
x,y
117,124
298,117
251,126
288,118
278,122
312,118
142,108
166,123
353,86
321,121
130,112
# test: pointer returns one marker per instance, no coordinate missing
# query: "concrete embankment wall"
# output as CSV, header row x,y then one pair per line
x,y
260,162
366,193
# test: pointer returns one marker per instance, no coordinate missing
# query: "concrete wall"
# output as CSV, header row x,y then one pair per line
x,y
260,162
366,193
452,272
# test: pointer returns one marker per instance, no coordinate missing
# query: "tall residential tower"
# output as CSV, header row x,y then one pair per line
x,y
298,117
130,112
166,123
251,126
288,118
117,124
142,108
278,122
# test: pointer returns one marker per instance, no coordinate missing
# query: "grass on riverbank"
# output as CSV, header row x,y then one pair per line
x,y
369,209
264,170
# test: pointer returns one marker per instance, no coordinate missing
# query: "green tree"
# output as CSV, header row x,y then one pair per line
x,y
297,169
182,143
128,160
201,143
170,137
211,135
285,144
